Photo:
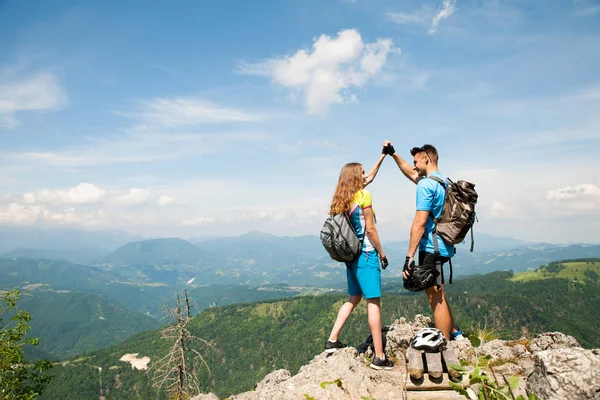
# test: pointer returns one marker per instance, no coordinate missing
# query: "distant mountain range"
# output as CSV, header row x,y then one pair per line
x,y
83,255
256,245
258,258
146,298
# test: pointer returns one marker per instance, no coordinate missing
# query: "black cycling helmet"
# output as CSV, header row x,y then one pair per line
x,y
421,278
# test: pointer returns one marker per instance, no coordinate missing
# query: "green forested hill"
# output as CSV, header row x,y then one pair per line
x,y
58,274
71,323
78,309
251,340
156,251
169,260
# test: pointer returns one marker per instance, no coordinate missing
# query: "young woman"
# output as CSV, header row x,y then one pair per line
x,y
364,273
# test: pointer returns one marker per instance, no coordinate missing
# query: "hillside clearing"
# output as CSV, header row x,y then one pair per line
x,y
575,270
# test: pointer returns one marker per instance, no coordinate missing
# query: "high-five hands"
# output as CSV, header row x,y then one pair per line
x,y
388,149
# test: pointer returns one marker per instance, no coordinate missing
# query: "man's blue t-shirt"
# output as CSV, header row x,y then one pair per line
x,y
430,197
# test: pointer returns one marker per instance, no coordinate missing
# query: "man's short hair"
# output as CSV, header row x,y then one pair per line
x,y
430,150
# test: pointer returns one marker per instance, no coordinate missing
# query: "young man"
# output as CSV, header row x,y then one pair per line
x,y
430,202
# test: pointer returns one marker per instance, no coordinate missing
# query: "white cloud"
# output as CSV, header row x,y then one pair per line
x,y
42,92
591,92
189,111
501,210
445,10
419,17
289,215
301,144
6,198
68,216
20,214
198,221
586,190
165,200
259,217
328,74
87,193
585,8
133,197
29,198
138,145
84,193
23,214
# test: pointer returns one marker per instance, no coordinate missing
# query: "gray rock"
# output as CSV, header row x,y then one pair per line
x,y
465,349
401,332
508,358
503,350
553,340
566,373
497,349
342,375
559,369
274,378
522,362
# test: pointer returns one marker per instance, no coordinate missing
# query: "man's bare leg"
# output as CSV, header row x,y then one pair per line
x,y
441,311
453,326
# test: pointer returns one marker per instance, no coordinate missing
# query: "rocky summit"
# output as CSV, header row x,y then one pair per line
x,y
551,365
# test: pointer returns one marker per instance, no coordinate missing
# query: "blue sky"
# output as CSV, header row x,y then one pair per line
x,y
201,118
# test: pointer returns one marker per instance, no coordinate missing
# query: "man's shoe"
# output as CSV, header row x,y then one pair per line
x,y
379,364
456,335
331,347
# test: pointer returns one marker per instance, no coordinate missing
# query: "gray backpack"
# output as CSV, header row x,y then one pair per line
x,y
339,238
458,214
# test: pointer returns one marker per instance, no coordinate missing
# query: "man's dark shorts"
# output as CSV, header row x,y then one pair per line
x,y
427,260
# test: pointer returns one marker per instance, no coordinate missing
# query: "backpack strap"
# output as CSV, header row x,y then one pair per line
x,y
435,220
472,241
437,179
347,214
445,186
436,249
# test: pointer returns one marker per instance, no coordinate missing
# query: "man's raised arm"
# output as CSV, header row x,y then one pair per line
x,y
404,166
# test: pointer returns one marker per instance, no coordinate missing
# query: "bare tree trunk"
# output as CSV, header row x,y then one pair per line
x,y
175,371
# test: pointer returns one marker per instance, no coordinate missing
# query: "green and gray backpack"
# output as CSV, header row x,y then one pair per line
x,y
457,219
458,214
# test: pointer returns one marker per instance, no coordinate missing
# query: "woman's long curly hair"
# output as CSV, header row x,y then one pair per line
x,y
350,182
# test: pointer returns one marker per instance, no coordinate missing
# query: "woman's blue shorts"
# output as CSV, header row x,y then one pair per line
x,y
364,275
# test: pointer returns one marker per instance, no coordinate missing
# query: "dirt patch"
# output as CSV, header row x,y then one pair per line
x,y
136,363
